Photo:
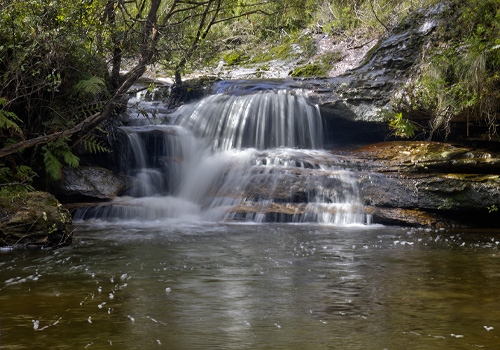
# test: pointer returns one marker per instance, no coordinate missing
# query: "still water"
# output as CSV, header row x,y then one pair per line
x,y
250,286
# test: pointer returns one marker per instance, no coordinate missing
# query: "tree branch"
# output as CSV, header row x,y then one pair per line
x,y
376,17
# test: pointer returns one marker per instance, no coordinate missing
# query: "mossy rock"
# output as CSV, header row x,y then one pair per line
x,y
286,51
235,58
309,70
330,58
34,218
190,90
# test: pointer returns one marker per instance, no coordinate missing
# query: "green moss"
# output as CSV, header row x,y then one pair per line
x,y
259,72
281,52
234,58
371,52
263,57
331,58
293,48
309,70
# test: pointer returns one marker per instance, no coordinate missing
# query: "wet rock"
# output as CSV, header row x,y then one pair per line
x,y
90,184
408,217
34,219
427,157
190,90
431,192
361,94
398,183
450,184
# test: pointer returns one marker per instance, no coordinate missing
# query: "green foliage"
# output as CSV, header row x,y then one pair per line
x,y
91,86
344,19
52,165
461,79
492,208
54,153
13,179
285,17
92,145
309,70
8,120
17,180
361,17
51,55
402,127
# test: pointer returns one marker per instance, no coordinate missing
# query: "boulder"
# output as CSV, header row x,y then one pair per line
x,y
88,183
34,218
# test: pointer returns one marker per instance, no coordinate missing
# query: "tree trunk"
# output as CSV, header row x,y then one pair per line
x,y
178,78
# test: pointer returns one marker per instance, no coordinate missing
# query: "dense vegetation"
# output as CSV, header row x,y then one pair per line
x,y
461,81
62,62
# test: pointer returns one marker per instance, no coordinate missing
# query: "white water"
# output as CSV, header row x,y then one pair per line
x,y
261,120
235,157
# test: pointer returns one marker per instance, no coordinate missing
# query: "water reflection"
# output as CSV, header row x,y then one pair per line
x,y
254,287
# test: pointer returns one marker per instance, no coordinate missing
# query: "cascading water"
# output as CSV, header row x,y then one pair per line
x,y
262,120
235,156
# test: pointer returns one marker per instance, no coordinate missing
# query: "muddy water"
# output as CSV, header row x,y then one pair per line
x,y
213,286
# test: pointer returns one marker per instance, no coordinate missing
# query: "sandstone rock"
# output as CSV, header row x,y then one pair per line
x,y
449,184
34,218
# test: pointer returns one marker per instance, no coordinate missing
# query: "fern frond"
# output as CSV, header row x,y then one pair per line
x,y
24,173
88,109
94,146
91,86
71,159
102,130
52,165
53,152
8,120
6,123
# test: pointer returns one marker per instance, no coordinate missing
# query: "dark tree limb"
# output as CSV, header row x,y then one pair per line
x,y
376,17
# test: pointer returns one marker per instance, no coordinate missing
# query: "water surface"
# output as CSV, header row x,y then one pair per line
x,y
213,286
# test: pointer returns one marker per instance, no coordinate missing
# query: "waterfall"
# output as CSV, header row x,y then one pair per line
x,y
261,120
233,156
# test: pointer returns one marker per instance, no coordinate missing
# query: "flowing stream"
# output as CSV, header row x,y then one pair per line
x,y
241,232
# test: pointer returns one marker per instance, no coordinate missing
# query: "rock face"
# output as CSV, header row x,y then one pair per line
x,y
34,218
90,184
362,94
428,183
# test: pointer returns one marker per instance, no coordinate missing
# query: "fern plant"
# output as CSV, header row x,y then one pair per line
x,y
90,87
402,127
92,145
8,120
16,180
53,153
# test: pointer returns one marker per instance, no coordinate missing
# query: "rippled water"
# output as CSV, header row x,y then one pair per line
x,y
182,286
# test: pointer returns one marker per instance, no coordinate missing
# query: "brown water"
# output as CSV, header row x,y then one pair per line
x,y
183,286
